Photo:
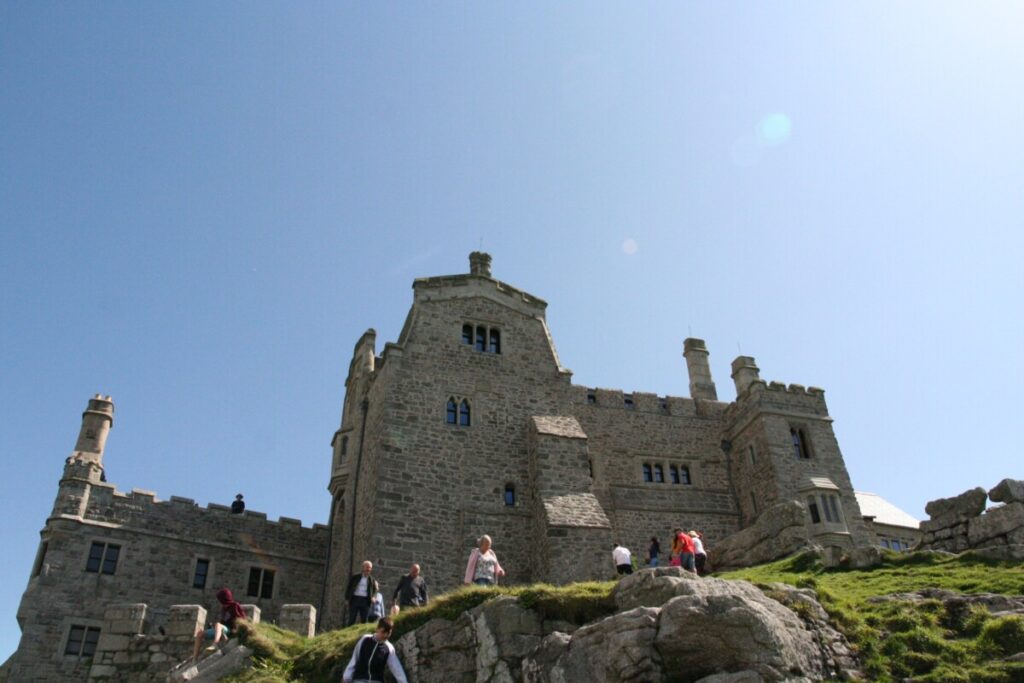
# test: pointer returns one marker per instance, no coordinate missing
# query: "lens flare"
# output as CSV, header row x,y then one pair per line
x,y
774,129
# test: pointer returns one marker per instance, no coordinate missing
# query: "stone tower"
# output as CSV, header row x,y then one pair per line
x,y
84,467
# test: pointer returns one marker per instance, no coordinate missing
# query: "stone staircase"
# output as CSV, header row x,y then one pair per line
x,y
231,658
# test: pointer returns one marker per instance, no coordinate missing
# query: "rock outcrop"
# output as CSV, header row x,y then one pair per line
x,y
777,532
962,523
670,626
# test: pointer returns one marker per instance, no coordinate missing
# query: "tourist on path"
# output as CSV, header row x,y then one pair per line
x,y
411,590
483,568
372,655
683,545
652,552
700,556
227,619
359,592
622,559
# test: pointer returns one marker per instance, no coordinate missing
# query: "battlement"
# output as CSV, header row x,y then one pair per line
x,y
637,401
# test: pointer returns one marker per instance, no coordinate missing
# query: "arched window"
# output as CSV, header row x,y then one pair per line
x,y
648,477
451,414
467,334
673,473
464,413
495,341
800,448
510,495
659,474
481,338
684,475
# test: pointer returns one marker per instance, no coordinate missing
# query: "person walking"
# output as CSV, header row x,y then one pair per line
x,y
684,545
372,655
700,556
359,592
622,559
411,590
653,551
483,568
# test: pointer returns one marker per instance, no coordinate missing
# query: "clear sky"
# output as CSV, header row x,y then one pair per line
x,y
203,205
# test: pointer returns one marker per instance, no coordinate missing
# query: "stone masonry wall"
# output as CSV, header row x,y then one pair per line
x,y
160,542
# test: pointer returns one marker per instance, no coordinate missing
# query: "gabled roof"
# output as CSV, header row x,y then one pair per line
x,y
884,512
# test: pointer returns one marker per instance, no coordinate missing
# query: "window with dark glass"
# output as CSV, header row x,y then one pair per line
x,y
481,338
451,415
261,583
510,495
344,445
202,571
467,334
495,341
591,397
627,399
684,475
464,413
37,568
102,558
673,473
812,507
82,641
800,448
648,476
659,474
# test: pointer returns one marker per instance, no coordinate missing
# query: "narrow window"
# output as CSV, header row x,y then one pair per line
x,y
591,397
659,474
510,495
82,641
627,399
202,570
110,559
590,467
753,501
464,413
684,475
827,509
753,457
648,477
467,334
673,472
344,445
481,338
37,568
812,507
797,446
451,415
495,341
95,557
102,558
261,583
833,503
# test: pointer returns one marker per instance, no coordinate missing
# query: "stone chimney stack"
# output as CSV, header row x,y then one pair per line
x,y
480,264
701,384
97,420
744,373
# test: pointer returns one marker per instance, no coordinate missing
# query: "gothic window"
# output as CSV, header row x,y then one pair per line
x,y
627,399
673,473
202,571
82,641
451,414
495,341
261,583
467,334
684,475
510,495
648,476
464,413
659,474
481,338
800,447
102,558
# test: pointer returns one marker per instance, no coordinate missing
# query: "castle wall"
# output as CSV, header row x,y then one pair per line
x,y
159,544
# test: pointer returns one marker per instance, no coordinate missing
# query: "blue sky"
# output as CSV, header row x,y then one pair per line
x,y
203,205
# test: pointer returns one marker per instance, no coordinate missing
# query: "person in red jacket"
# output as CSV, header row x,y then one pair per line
x,y
230,614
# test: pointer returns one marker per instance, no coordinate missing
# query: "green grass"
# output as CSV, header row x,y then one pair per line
x,y
924,641
283,657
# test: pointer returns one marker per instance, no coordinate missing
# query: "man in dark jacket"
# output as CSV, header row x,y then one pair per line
x,y
411,590
360,591
372,655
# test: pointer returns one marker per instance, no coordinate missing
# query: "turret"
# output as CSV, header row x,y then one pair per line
x,y
97,420
84,467
480,264
701,384
744,373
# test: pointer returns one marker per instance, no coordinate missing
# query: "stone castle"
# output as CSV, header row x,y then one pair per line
x,y
467,424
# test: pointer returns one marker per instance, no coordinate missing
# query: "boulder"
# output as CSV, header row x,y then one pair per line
x,y
1007,491
958,508
999,521
778,531
652,587
738,677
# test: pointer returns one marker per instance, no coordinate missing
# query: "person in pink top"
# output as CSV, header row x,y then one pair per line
x,y
483,568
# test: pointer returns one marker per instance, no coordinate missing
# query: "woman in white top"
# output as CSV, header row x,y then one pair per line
x,y
700,555
483,568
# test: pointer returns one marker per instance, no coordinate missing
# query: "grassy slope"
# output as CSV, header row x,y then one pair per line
x,y
896,640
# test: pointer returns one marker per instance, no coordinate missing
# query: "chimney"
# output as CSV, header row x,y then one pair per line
x,y
480,264
701,384
744,373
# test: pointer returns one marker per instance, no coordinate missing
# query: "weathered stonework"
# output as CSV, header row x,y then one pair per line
x,y
554,472
962,523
